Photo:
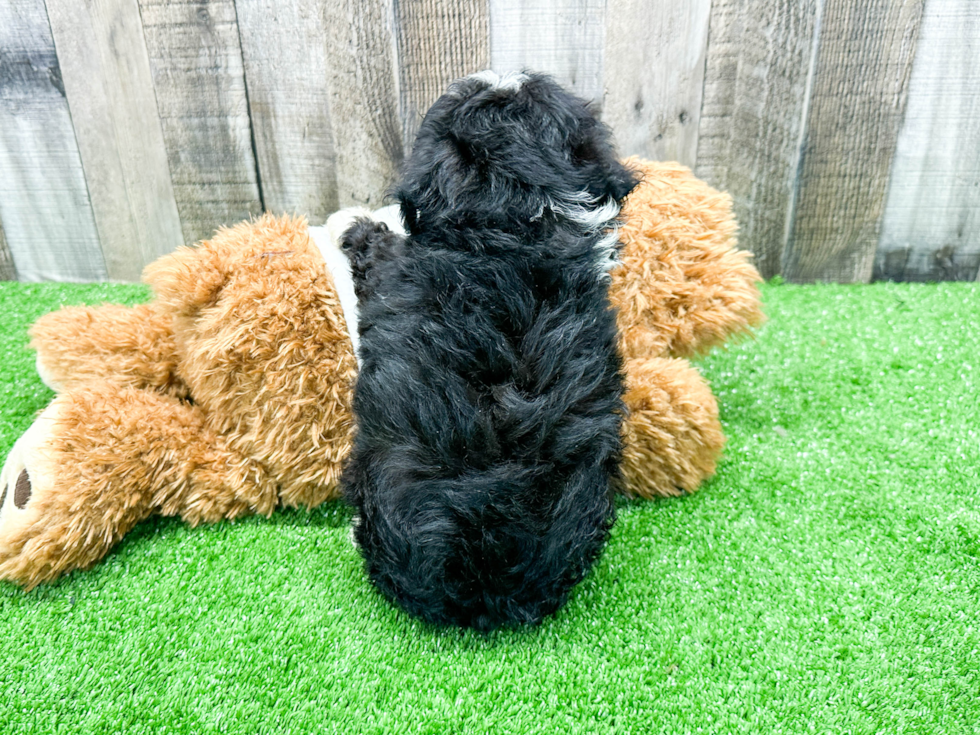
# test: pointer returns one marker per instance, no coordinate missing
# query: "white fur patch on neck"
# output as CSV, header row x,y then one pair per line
x,y
594,216
582,209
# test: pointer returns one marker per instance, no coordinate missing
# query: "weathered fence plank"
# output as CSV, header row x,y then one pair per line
x,y
110,93
847,131
7,270
199,80
654,73
438,41
760,55
860,88
285,51
562,37
931,229
44,204
363,88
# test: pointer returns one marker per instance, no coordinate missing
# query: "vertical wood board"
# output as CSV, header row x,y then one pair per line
x,y
931,228
199,84
110,94
857,104
759,56
47,219
654,76
363,86
285,53
564,38
7,270
438,41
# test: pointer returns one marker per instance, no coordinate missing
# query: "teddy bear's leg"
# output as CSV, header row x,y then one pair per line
x,y
100,459
127,346
672,437
683,286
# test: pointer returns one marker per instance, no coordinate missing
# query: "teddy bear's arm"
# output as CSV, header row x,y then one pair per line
x,y
128,347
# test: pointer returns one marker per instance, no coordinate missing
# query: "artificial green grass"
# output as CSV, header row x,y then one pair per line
x,y
827,580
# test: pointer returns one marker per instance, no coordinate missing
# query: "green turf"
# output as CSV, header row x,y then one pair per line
x,y
827,580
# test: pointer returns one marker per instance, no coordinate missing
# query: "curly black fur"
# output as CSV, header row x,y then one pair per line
x,y
488,402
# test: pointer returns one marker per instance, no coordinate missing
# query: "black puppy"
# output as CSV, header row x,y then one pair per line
x,y
488,402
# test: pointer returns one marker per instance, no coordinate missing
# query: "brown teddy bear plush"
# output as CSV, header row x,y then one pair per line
x,y
230,393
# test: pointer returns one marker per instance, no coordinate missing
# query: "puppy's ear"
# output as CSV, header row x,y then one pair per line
x,y
592,148
409,213
620,180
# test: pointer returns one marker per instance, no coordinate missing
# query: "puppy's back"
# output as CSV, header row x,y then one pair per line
x,y
488,402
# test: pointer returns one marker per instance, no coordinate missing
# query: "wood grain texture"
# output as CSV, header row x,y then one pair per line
x,y
47,219
760,53
7,270
564,38
860,90
285,51
438,41
363,85
110,93
654,76
931,228
199,81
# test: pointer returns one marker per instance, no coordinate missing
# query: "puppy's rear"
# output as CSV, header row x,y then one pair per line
x,y
488,401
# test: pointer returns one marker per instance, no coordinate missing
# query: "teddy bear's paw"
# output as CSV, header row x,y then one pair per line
x,y
27,481
672,436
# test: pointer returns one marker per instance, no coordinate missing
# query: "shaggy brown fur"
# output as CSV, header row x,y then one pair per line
x,y
230,393
682,288
131,347
258,340
263,346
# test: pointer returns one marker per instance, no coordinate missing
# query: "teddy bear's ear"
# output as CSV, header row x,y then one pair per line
x,y
190,279
185,280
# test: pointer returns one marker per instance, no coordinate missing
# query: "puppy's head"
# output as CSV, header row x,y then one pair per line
x,y
506,152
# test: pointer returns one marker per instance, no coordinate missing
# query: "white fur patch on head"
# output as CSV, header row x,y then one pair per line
x,y
510,81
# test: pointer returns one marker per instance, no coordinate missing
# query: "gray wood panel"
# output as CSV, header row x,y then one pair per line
x,y
654,76
564,38
931,229
7,270
363,86
47,219
760,57
858,100
285,51
438,41
199,81
110,93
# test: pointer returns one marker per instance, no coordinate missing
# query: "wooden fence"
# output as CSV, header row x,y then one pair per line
x,y
848,131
